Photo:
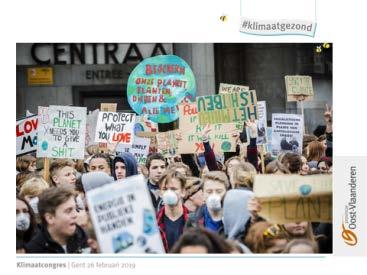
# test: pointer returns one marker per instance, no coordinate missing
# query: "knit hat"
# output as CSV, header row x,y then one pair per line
x,y
93,180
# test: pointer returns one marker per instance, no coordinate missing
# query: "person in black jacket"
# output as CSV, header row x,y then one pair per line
x,y
59,232
156,166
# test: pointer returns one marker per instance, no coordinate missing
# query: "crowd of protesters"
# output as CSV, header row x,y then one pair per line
x,y
204,203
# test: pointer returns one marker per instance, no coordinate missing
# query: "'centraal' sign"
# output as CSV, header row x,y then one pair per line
x,y
92,53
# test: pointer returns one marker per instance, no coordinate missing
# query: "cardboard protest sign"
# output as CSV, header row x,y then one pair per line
x,y
145,127
294,198
26,133
108,107
115,127
139,149
298,85
90,132
167,143
61,132
230,88
226,108
287,134
158,84
220,137
124,218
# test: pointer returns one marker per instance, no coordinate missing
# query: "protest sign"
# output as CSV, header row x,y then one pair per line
x,y
26,133
220,137
61,132
145,127
287,134
158,84
108,107
90,132
298,87
115,127
167,143
269,131
139,149
294,198
230,88
226,108
124,218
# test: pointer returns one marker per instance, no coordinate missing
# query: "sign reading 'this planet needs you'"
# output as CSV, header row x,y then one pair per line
x,y
158,85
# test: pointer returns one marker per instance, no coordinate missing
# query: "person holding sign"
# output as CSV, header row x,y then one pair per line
x,y
59,232
172,217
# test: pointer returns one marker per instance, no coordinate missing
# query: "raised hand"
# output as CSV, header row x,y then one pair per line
x,y
328,114
206,132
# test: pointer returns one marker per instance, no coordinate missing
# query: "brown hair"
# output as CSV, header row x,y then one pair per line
x,y
213,242
261,236
26,236
217,176
293,162
243,175
193,185
152,157
33,187
296,242
274,166
23,162
52,198
308,234
22,177
105,156
169,175
315,151
306,140
175,165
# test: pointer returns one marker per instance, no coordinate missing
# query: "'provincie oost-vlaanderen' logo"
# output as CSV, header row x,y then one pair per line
x,y
350,217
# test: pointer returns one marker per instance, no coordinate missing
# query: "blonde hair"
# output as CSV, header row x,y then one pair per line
x,y
225,168
243,175
295,242
192,186
217,176
175,165
33,187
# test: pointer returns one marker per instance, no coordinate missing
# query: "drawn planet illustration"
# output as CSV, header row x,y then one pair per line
x,y
226,146
305,189
44,145
138,128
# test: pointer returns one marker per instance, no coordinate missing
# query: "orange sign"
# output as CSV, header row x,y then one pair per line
x,y
40,76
